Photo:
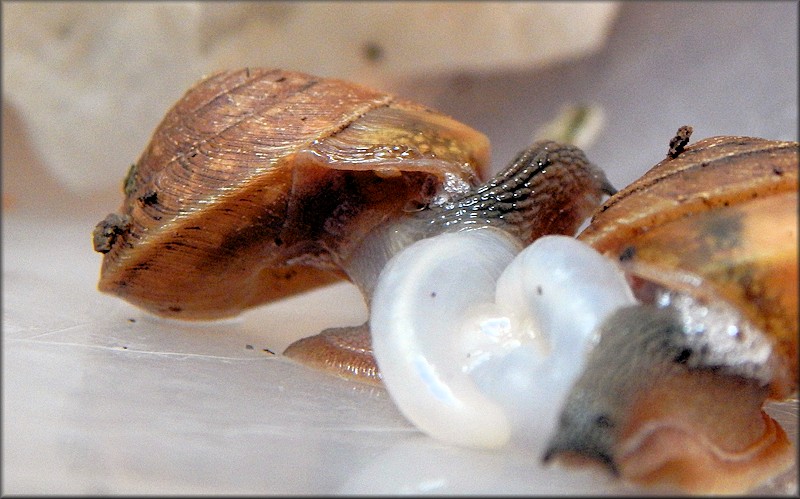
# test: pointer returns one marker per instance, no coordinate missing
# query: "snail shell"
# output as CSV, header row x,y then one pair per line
x,y
719,223
257,180
673,392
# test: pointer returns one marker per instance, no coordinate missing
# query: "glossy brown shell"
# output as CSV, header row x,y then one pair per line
x,y
718,222
257,181
710,173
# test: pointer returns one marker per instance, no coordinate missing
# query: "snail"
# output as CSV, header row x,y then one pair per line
x,y
488,321
648,344
708,238
261,183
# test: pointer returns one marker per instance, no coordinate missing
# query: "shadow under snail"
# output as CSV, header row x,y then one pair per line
x,y
488,321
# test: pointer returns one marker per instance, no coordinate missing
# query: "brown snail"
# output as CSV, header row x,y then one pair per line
x,y
708,238
262,183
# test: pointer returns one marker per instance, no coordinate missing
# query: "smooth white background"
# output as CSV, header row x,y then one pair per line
x,y
100,398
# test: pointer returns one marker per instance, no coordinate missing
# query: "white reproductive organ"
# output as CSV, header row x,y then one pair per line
x,y
478,341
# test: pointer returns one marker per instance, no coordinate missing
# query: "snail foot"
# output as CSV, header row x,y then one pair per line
x,y
343,351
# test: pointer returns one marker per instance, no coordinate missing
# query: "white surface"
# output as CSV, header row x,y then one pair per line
x,y
94,403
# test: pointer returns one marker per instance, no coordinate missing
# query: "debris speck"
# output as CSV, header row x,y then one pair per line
x,y
679,141
373,52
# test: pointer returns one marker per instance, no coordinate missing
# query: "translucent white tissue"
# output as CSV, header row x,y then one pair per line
x,y
477,345
421,299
